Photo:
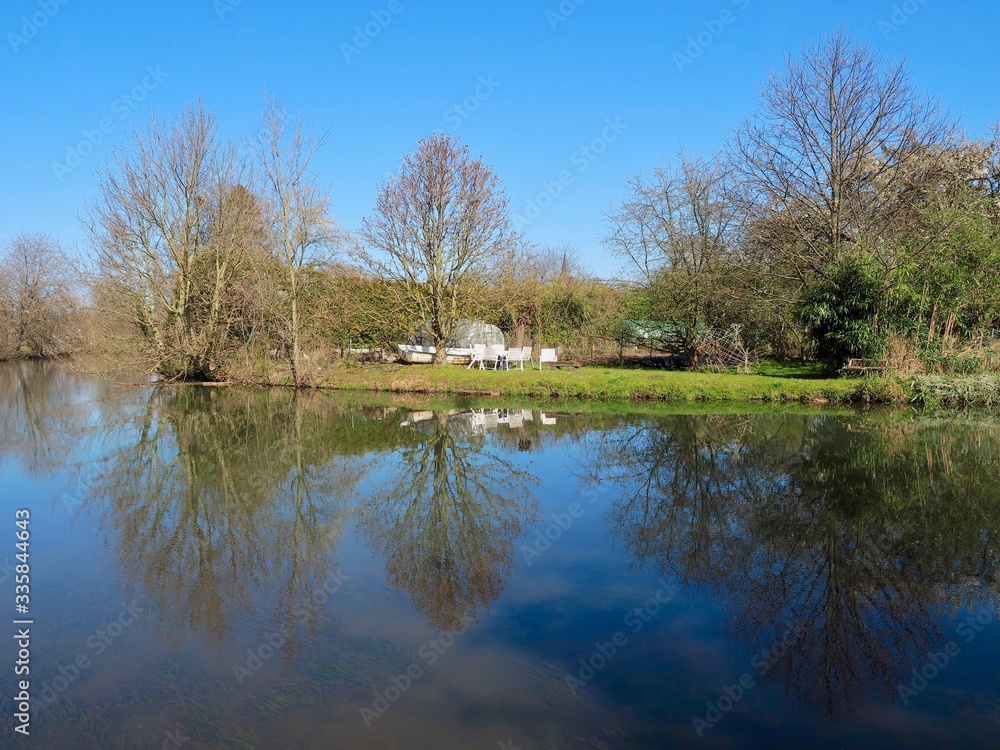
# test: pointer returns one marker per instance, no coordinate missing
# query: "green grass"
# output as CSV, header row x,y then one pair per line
x,y
611,384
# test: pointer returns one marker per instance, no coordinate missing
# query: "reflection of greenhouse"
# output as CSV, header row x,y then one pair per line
x,y
465,423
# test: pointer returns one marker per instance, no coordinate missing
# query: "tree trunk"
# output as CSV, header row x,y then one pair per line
x,y
295,340
440,344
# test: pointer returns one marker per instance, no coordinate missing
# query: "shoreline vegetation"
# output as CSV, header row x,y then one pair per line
x,y
772,384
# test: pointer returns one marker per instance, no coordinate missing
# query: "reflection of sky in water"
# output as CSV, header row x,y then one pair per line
x,y
726,506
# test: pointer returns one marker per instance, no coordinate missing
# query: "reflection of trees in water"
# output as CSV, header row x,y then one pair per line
x,y
218,493
861,532
45,409
214,494
446,519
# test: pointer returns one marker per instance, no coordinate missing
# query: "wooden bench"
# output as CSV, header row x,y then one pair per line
x,y
864,366
548,356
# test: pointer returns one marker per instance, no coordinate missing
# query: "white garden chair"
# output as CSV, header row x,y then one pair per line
x,y
490,357
516,357
500,352
478,356
546,355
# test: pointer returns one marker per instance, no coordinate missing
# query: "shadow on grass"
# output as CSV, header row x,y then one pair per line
x,y
771,369
793,370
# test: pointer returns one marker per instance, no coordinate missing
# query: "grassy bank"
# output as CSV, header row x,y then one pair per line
x,y
617,385
941,390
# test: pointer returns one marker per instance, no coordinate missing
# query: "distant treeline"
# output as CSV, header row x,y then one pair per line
x,y
847,216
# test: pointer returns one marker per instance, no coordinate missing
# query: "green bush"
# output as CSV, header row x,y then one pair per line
x,y
936,390
840,312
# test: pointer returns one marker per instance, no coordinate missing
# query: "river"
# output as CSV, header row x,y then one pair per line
x,y
218,568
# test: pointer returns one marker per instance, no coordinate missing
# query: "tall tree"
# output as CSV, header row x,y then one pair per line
x,y
441,225
299,208
828,151
169,230
679,219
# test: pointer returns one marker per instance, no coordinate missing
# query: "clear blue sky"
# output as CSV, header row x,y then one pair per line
x,y
547,84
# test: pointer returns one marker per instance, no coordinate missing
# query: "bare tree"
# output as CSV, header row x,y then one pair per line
x,y
680,220
299,209
441,226
828,150
170,229
36,298
677,230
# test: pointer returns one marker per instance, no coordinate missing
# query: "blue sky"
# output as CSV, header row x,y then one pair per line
x,y
563,99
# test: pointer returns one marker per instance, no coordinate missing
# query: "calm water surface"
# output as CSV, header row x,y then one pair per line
x,y
221,569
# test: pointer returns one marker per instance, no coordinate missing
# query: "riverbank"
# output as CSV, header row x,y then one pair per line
x,y
774,383
601,383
